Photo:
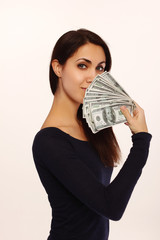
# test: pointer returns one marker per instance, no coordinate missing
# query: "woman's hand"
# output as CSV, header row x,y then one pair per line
x,y
137,122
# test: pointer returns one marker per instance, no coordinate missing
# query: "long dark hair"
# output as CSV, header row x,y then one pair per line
x,y
104,141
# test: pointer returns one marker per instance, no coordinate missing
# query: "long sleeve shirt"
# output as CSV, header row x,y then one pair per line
x,y
78,184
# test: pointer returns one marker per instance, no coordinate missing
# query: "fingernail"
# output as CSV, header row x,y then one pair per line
x,y
123,108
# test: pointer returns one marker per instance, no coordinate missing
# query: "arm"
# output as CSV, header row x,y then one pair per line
x,y
123,185
57,156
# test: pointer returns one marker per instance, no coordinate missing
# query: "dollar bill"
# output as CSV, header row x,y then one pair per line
x,y
108,116
102,102
113,82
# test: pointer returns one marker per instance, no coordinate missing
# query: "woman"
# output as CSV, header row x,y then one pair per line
x,y
75,165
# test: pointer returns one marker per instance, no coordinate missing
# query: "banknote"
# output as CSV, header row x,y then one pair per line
x,y
100,84
112,81
92,104
102,102
108,116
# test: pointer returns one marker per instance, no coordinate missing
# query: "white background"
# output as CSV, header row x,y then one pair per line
x,y
28,32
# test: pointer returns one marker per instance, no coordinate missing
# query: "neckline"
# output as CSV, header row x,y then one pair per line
x,y
45,128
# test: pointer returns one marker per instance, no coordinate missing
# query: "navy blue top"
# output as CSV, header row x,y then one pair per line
x,y
78,185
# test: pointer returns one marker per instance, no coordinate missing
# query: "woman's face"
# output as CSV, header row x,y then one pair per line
x,y
80,70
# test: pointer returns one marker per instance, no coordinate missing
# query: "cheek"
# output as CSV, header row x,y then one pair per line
x,y
69,85
72,80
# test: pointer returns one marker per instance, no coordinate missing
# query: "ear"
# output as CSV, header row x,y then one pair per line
x,y
57,67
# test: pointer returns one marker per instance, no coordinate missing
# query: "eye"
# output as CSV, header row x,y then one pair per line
x,y
100,68
82,66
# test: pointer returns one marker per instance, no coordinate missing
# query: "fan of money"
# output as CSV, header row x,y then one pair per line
x,y
102,101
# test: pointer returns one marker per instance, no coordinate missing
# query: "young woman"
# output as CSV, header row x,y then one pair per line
x,y
75,165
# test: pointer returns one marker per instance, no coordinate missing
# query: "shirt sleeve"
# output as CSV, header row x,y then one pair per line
x,y
56,154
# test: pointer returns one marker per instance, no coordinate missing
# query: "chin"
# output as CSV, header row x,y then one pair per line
x,y
81,101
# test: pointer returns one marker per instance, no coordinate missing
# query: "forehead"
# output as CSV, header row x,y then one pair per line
x,y
91,52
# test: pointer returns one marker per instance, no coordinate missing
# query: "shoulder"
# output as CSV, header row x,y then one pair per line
x,y
50,139
49,131
51,134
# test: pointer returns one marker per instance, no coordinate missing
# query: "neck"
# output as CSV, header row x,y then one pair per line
x,y
64,111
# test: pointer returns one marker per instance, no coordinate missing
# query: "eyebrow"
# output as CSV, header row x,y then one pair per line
x,y
87,60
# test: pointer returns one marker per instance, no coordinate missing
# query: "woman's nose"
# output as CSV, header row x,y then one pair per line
x,y
91,76
89,80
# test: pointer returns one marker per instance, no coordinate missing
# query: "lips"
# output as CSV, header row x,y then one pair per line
x,y
84,89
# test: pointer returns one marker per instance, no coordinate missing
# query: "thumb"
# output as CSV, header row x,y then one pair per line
x,y
126,113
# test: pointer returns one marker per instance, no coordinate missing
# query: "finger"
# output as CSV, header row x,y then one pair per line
x,y
126,113
137,106
135,111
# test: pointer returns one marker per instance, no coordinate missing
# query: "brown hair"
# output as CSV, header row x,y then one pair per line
x,y
104,141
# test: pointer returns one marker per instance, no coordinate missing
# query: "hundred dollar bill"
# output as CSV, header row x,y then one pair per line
x,y
107,75
102,102
108,116
104,94
89,103
101,84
